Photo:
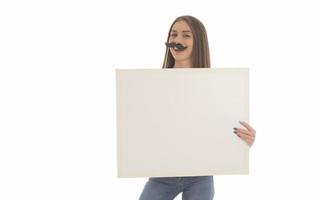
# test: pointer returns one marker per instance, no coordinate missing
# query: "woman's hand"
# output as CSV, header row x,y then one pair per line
x,y
248,135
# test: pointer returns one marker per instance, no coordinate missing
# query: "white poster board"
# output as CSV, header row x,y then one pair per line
x,y
179,122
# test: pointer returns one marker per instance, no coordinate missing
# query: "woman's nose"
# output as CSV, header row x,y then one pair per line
x,y
177,40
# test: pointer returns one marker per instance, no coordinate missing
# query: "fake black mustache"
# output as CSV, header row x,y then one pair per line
x,y
180,47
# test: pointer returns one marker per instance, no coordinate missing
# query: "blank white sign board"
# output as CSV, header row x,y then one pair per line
x,y
179,122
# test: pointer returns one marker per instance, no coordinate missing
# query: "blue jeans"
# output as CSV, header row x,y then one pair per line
x,y
167,188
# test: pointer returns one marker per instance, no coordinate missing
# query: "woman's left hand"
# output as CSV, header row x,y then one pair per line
x,y
248,135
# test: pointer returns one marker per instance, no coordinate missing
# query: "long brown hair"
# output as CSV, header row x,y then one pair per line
x,y
200,55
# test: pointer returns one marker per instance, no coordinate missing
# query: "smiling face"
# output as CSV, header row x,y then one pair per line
x,y
181,34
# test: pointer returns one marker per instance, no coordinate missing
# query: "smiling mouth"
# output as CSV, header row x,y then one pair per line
x,y
176,46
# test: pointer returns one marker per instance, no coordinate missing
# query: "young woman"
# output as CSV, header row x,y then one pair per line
x,y
187,47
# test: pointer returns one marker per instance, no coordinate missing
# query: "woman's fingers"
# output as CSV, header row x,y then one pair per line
x,y
245,124
247,135
248,139
239,130
244,136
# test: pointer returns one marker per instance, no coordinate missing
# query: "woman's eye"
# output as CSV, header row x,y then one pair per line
x,y
173,35
186,36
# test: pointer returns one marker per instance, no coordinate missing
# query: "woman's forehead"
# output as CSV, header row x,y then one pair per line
x,y
181,26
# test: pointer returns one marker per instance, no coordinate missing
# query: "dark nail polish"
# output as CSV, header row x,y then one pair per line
x,y
235,128
235,132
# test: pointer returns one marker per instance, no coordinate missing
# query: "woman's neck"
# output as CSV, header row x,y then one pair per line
x,y
182,64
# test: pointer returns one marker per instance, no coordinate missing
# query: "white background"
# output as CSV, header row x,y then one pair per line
x,y
57,87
